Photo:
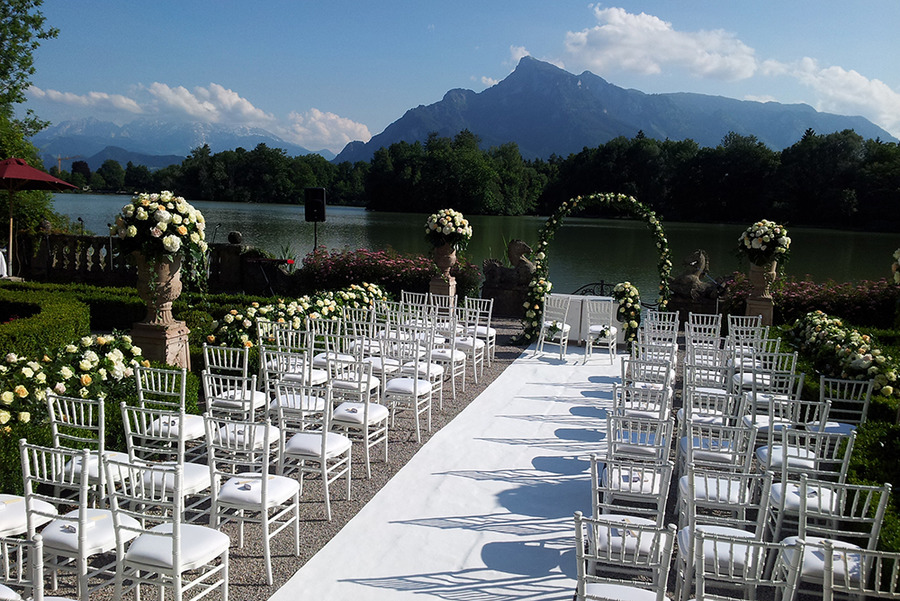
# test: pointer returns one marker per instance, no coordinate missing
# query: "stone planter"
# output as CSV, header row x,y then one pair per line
x,y
760,300
445,259
160,336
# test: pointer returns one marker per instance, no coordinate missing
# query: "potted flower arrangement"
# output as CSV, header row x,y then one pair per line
x,y
164,233
765,242
895,266
447,231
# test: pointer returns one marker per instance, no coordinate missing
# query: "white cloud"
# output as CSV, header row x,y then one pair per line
x,y
646,44
95,100
517,53
489,81
844,92
316,129
760,98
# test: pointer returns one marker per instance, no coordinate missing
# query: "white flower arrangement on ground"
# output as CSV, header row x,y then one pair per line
x,y
448,226
239,327
765,241
629,311
161,226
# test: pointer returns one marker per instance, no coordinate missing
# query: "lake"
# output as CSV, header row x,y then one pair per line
x,y
583,251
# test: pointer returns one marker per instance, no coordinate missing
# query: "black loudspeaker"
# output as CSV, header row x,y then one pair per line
x,y
315,204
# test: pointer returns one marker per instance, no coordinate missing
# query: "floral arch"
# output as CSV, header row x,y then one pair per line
x,y
540,285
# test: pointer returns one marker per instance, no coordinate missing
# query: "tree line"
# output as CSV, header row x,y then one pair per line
x,y
836,179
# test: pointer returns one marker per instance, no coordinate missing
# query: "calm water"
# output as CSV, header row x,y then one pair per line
x,y
583,251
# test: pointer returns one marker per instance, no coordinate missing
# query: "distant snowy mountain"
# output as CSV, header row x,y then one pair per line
x,y
85,138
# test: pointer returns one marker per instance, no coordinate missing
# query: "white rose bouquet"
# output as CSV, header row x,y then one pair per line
x,y
161,226
765,241
448,227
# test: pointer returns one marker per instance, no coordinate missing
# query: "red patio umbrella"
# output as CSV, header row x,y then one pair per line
x,y
16,175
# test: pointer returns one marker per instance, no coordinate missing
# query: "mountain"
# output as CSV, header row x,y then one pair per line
x,y
547,110
160,139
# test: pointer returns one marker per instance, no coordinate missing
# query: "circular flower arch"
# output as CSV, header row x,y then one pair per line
x,y
540,285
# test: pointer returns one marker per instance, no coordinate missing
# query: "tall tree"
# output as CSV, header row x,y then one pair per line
x,y
21,32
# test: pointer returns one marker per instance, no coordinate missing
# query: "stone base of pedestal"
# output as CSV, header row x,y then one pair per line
x,y
167,343
439,285
761,306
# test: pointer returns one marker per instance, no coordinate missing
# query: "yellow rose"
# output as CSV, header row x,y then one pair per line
x,y
4,416
7,397
24,417
21,391
86,379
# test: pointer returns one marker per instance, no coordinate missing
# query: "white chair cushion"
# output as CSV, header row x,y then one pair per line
x,y
710,451
618,592
235,399
199,545
235,432
7,594
468,343
446,355
481,331
168,426
598,329
195,478
832,427
321,359
371,383
426,370
245,490
93,467
685,538
62,535
384,365
724,489
787,496
633,541
632,481
13,518
309,444
774,457
306,402
407,386
812,565
353,414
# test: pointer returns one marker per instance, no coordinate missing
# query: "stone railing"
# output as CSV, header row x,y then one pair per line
x,y
97,260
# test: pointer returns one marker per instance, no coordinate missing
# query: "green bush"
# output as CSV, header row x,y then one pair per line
x,y
874,462
53,322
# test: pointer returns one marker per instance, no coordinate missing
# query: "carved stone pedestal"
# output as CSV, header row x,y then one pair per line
x,y
444,258
760,300
163,342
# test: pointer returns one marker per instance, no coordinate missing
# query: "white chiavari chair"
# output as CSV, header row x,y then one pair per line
x,y
555,327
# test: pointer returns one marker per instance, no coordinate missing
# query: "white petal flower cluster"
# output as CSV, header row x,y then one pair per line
x,y
161,225
765,241
448,226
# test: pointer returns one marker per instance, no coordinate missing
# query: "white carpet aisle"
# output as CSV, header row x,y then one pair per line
x,y
484,509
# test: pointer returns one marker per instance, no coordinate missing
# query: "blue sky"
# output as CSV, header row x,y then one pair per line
x,y
323,73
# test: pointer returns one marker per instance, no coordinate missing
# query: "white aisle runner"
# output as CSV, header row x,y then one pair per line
x,y
484,509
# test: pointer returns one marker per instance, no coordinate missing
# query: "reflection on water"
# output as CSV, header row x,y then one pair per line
x,y
583,251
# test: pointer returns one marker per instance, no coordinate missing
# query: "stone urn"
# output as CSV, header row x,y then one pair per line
x,y
160,336
445,259
760,300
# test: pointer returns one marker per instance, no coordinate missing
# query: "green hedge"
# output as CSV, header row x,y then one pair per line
x,y
53,321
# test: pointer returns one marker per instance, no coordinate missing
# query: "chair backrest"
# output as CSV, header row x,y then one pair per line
x,y
277,363
161,387
230,395
849,399
239,448
292,418
22,566
813,454
600,311
726,567
652,351
719,447
484,306
416,298
712,405
655,372
704,320
860,573
733,499
639,438
149,494
743,321
288,337
641,402
153,434
660,320
442,303
48,476
76,423
716,376
556,308
851,513
265,331
645,484
226,359
634,555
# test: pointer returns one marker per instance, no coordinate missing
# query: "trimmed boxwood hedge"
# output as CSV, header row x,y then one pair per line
x,y
54,321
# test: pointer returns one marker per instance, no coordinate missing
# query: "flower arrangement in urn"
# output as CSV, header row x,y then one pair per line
x,y
895,267
160,227
765,241
448,226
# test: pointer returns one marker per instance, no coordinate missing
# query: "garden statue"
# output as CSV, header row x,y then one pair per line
x,y
694,290
508,286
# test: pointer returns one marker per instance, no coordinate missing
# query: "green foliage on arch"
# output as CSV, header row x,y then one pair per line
x,y
540,285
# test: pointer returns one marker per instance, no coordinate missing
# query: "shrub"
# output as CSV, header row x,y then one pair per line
x,y
53,322
873,462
